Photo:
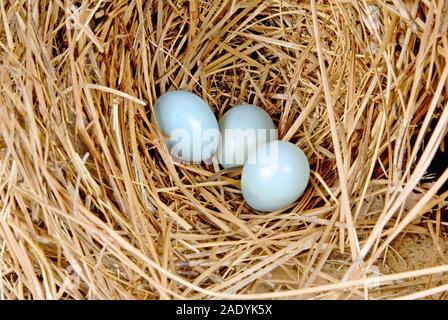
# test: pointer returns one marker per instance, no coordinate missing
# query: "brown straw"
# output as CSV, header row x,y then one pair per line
x,y
92,205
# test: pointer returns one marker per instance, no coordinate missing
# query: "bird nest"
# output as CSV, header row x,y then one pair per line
x,y
94,207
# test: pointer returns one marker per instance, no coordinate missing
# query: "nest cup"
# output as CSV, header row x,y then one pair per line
x,y
94,207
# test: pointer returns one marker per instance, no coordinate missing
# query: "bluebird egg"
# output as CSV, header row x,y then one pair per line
x,y
243,128
189,125
274,176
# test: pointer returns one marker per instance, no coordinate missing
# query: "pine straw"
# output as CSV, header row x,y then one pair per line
x,y
92,206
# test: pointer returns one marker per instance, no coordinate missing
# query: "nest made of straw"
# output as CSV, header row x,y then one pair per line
x,y
92,205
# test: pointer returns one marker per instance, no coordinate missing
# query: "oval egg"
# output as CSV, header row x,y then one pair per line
x,y
274,176
243,128
190,125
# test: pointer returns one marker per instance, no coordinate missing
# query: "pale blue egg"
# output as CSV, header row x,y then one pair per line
x,y
189,124
243,128
274,176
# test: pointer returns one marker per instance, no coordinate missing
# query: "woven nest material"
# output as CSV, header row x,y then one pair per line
x,y
93,206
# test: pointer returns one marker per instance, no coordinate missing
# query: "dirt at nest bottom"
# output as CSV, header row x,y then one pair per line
x,y
415,251
407,253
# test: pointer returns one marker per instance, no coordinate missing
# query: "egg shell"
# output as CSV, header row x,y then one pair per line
x,y
243,128
274,176
189,123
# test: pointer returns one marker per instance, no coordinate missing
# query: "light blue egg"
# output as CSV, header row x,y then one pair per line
x,y
190,125
243,128
274,176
